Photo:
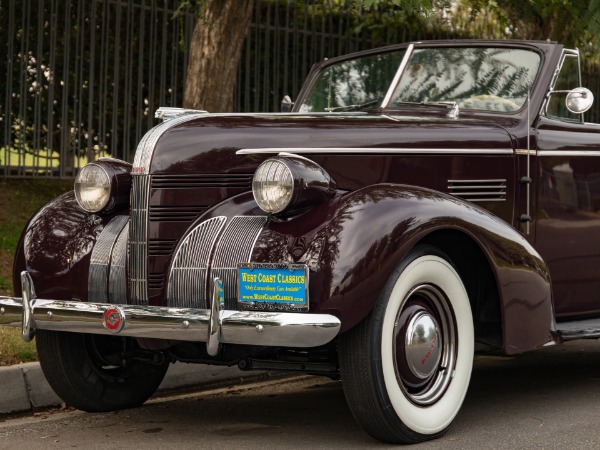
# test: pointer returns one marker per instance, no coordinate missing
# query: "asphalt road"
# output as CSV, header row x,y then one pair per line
x,y
543,400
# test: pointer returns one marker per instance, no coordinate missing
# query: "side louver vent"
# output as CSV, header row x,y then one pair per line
x,y
479,190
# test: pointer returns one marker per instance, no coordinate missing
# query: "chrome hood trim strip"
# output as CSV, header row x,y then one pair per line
x,y
378,151
145,149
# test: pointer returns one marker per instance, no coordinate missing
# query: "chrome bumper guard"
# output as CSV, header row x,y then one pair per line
x,y
213,326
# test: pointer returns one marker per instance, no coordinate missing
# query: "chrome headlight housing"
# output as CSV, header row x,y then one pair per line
x,y
103,186
287,183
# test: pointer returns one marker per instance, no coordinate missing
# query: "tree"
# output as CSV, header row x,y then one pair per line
x,y
215,49
573,23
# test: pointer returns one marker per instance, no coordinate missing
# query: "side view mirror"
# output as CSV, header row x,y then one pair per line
x,y
286,104
579,100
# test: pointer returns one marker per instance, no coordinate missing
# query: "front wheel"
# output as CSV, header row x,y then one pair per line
x,y
97,373
406,368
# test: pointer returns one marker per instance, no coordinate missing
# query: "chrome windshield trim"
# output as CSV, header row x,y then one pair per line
x,y
375,151
396,80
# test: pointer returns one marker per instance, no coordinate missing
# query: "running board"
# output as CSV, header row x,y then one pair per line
x,y
579,329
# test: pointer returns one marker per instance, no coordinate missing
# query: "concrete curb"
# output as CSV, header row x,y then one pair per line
x,y
23,387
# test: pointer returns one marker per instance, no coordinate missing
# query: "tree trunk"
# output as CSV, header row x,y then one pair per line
x,y
215,51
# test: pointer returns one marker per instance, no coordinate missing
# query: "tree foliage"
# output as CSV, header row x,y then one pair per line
x,y
573,23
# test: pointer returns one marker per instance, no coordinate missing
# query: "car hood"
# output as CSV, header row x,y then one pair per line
x,y
209,143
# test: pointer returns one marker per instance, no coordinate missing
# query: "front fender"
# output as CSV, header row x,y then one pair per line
x,y
353,244
55,249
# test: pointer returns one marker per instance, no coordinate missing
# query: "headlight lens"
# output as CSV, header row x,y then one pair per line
x,y
273,186
287,184
92,188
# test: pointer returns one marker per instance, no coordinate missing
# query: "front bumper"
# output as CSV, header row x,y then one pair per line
x,y
213,326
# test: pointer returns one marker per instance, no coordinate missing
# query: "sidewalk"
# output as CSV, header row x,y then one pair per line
x,y
24,388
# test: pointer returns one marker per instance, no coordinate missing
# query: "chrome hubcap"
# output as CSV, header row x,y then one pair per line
x,y
422,346
425,345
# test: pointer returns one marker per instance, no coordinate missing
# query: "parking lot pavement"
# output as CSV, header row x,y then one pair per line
x,y
23,387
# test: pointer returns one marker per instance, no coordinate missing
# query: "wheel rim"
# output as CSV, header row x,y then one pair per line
x,y
425,345
106,355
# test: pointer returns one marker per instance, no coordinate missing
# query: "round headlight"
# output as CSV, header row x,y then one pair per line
x,y
92,188
273,186
288,183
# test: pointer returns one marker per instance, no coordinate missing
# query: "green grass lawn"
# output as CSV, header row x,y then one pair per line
x,y
19,200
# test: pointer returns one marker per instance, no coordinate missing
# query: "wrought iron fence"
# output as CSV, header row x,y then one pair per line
x,y
82,78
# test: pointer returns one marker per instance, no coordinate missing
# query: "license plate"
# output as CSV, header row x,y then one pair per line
x,y
273,287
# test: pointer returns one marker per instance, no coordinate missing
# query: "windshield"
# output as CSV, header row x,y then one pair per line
x,y
478,78
352,84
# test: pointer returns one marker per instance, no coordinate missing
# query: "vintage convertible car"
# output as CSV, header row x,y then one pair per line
x,y
418,204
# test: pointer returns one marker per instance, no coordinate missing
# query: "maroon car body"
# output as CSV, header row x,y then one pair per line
x,y
397,170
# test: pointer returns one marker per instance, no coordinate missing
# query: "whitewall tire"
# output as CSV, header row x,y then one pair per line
x,y
406,368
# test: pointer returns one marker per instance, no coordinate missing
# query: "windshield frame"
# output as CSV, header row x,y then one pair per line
x,y
475,44
542,49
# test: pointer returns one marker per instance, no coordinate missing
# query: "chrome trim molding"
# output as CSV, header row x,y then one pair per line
x,y
101,258
525,152
165,113
145,149
186,287
568,153
236,327
376,150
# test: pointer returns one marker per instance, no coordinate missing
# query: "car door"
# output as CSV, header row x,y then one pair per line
x,y
568,210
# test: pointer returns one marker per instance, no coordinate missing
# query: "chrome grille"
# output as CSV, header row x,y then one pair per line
x,y
138,228
175,213
479,190
138,237
187,280
117,285
100,261
161,248
235,246
230,180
